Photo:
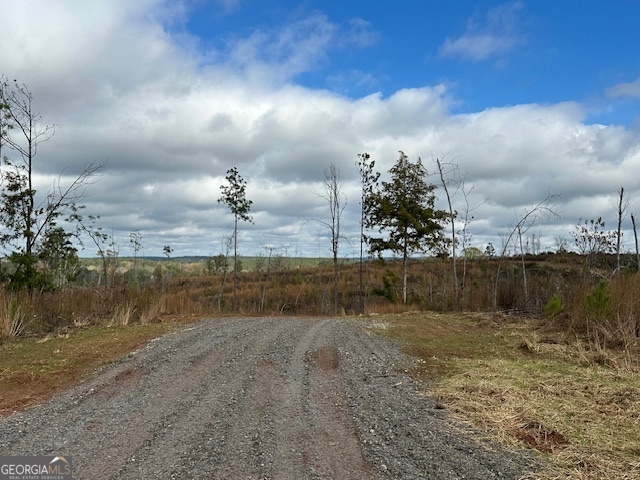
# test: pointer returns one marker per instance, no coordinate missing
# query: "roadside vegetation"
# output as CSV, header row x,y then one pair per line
x,y
527,383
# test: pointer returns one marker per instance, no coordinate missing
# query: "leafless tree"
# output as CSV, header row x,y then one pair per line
x,y
453,182
530,216
635,237
623,205
23,133
452,216
337,202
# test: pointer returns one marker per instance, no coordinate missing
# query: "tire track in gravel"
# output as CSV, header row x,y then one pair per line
x,y
267,398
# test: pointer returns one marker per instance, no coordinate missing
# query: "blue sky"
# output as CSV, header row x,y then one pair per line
x,y
492,53
529,98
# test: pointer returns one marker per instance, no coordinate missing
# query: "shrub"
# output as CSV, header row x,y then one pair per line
x,y
598,301
554,306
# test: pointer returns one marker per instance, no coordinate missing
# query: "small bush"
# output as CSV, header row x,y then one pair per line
x,y
387,291
598,301
554,306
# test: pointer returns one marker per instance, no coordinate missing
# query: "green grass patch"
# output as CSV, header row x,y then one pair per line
x,y
442,340
33,369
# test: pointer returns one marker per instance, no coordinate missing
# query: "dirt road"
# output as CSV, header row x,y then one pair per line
x,y
270,398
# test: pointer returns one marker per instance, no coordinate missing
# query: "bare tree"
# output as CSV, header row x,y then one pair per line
x,y
531,216
89,227
635,237
20,117
623,205
337,202
454,182
465,219
561,244
135,239
452,216
265,280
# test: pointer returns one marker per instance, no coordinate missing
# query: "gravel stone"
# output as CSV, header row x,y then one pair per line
x,y
260,398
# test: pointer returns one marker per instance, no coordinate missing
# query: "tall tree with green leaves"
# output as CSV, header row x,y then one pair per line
x,y
234,196
403,210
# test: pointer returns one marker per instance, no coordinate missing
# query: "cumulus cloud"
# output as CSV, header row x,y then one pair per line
x,y
493,36
121,87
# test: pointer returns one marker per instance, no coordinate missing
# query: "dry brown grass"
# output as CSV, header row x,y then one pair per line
x,y
150,314
309,291
503,377
11,317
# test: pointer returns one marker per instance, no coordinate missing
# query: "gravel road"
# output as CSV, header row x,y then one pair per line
x,y
258,398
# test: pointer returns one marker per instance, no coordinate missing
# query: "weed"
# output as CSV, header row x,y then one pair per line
x,y
150,314
122,315
11,317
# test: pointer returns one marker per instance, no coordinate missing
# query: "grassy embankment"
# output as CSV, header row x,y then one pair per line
x,y
526,387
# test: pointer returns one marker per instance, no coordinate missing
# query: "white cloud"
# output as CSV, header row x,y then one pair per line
x,y
279,55
477,47
121,86
360,33
228,6
496,35
629,89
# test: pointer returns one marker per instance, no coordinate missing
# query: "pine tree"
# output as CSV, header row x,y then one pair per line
x,y
403,210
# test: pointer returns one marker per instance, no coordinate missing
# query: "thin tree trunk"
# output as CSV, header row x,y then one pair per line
x,y
456,285
619,232
336,277
266,283
235,263
635,236
361,273
524,270
404,274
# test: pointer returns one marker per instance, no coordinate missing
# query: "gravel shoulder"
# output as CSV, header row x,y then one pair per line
x,y
259,398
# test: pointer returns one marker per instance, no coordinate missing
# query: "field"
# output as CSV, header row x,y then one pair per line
x,y
514,380
552,364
